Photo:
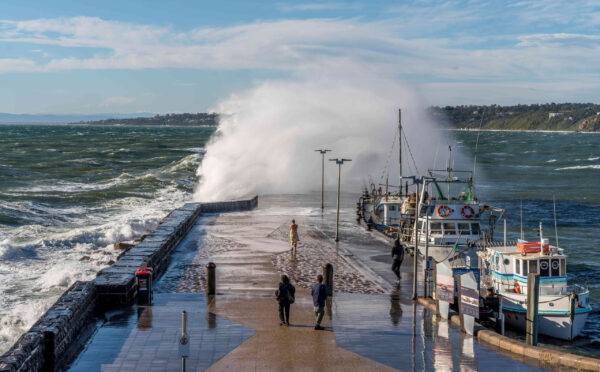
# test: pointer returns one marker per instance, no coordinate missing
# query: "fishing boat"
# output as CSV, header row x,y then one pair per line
x,y
386,211
562,309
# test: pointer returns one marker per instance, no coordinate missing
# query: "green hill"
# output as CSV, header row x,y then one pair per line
x,y
168,119
579,117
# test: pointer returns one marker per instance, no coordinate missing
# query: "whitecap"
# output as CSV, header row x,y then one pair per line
x,y
550,161
593,166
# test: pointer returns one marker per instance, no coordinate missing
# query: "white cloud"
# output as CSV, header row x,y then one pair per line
x,y
286,7
315,46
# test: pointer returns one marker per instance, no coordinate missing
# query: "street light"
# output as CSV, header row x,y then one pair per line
x,y
339,162
323,152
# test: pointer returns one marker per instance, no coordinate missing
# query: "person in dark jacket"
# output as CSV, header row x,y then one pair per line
x,y
319,294
285,297
397,257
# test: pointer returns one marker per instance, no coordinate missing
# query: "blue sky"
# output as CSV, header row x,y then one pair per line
x,y
181,56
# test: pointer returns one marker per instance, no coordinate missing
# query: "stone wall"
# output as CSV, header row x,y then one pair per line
x,y
46,345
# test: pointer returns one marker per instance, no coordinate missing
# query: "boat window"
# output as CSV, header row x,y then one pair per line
x,y
463,228
524,268
435,228
449,228
475,229
392,207
563,269
554,265
518,266
533,266
544,268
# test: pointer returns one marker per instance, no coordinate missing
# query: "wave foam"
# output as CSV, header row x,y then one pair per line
x,y
593,166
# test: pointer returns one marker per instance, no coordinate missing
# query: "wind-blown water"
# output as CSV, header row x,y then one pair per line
x,y
67,193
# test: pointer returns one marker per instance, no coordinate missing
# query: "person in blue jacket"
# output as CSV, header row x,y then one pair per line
x,y
319,294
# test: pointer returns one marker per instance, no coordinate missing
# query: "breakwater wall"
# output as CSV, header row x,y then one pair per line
x,y
49,342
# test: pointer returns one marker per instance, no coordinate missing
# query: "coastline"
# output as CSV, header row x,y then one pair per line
x,y
516,130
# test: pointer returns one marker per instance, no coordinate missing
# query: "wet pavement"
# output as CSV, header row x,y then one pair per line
x,y
239,328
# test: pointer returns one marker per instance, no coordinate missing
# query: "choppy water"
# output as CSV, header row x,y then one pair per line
x,y
537,167
67,193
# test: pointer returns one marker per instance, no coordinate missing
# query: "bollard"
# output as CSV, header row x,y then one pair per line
x,y
211,284
328,278
533,292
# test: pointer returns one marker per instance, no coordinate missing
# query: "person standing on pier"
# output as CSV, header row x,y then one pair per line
x,y
397,257
285,297
319,294
294,235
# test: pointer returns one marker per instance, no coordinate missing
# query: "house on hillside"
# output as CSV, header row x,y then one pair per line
x,y
554,114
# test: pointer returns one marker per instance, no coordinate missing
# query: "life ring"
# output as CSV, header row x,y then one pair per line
x,y
443,211
467,211
517,287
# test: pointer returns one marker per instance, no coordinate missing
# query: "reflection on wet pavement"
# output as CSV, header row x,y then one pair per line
x,y
405,336
146,338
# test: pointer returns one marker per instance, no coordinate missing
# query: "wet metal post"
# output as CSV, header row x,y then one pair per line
x,y
211,285
322,152
416,249
533,292
339,162
328,278
183,342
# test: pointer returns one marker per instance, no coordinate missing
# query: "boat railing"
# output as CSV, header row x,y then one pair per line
x,y
577,289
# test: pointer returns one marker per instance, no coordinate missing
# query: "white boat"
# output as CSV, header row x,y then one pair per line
x,y
563,309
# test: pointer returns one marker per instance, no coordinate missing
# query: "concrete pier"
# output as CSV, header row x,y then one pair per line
x,y
370,324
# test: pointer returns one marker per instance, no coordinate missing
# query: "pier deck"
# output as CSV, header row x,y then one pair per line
x,y
368,327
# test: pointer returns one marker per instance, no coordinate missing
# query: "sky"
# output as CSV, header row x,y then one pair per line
x,y
67,56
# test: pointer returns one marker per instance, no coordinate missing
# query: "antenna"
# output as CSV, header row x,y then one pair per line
x,y
476,145
555,226
521,198
400,147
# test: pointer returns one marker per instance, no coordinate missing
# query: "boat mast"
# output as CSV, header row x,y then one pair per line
x,y
400,149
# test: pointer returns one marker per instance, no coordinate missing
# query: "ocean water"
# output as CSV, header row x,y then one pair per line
x,y
68,193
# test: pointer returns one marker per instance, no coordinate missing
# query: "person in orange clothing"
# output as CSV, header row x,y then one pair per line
x,y
294,235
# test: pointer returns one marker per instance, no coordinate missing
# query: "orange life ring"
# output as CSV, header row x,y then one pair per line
x,y
517,287
470,212
443,211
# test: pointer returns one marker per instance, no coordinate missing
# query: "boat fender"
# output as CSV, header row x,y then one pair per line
x,y
443,211
467,211
517,287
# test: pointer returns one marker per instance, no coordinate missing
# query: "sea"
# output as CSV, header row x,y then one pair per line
x,y
69,192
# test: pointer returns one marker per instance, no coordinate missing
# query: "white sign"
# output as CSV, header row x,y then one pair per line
x,y
184,346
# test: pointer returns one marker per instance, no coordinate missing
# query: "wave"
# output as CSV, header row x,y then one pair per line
x,y
593,166
551,161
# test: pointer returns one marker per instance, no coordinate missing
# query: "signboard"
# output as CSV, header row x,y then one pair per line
x,y
143,284
444,288
184,346
444,283
469,302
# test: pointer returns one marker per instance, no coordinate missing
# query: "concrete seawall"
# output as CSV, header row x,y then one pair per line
x,y
49,342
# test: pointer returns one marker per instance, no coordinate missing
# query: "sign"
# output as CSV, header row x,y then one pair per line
x,y
444,288
469,302
143,284
444,283
184,346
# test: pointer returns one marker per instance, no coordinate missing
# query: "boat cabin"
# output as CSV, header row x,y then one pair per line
x,y
388,210
511,264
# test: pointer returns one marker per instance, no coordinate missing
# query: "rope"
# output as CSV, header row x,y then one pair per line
x,y
387,162
411,155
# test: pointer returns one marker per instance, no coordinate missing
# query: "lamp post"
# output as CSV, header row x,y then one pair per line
x,y
339,162
322,152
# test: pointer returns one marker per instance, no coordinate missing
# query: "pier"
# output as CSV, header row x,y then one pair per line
x,y
370,324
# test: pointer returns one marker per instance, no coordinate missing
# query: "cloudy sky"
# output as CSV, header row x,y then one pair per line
x,y
179,56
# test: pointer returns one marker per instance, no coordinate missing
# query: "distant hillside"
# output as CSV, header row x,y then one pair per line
x,y
579,117
168,119
61,118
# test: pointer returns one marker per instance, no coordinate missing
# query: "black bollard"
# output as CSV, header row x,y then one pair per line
x,y
211,284
328,278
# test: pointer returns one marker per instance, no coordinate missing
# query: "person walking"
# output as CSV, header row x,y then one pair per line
x,y
294,235
319,294
285,297
397,257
